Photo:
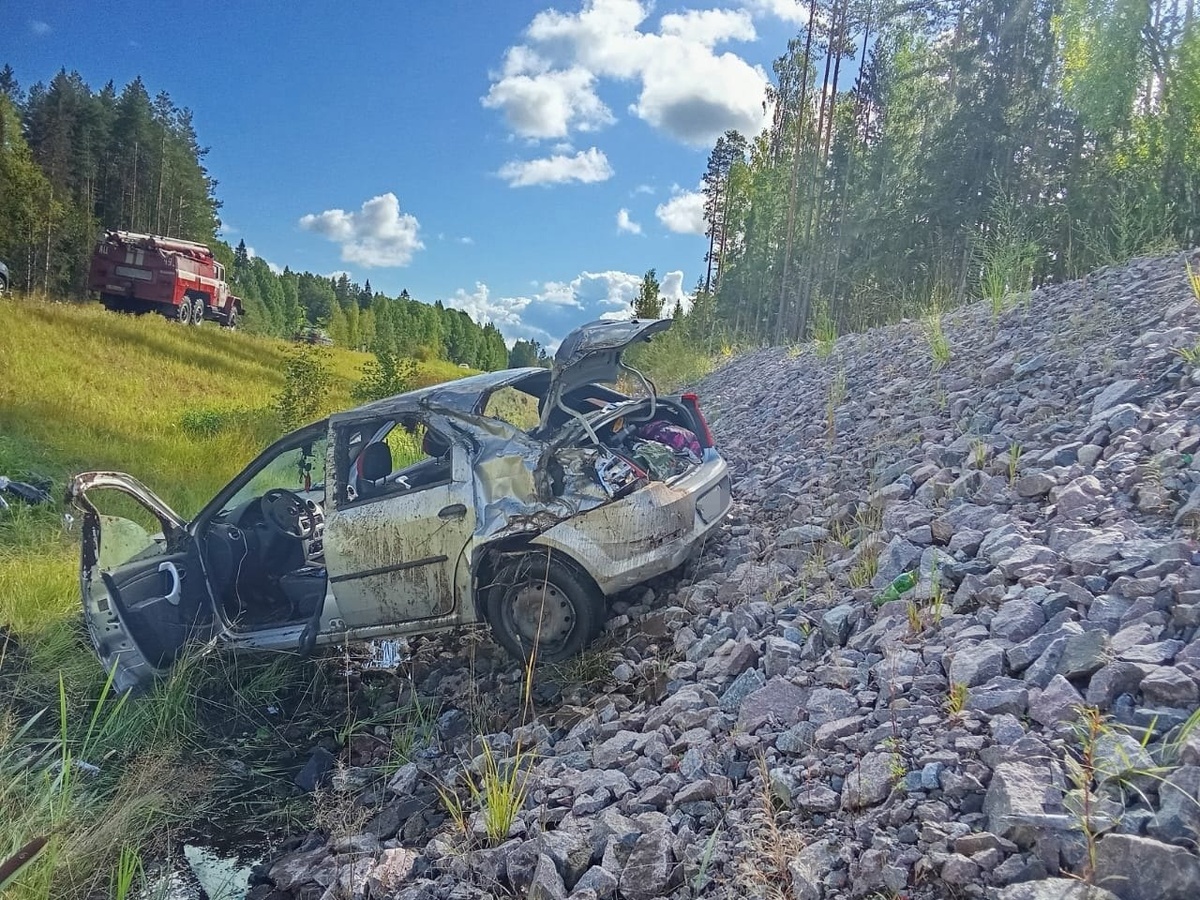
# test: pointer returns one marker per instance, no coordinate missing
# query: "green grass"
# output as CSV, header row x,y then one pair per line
x,y
183,410
824,330
939,345
956,699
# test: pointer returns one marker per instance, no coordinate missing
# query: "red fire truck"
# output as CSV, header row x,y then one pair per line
x,y
147,273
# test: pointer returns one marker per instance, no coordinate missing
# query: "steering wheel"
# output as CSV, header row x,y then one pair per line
x,y
288,513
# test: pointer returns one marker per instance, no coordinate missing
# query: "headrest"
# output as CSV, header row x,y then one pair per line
x,y
375,461
434,445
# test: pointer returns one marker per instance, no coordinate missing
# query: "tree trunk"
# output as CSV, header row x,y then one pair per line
x,y
133,199
162,174
46,262
780,327
818,277
848,174
712,236
815,182
724,233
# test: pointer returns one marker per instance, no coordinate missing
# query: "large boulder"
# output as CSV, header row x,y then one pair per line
x,y
649,873
1015,803
1141,868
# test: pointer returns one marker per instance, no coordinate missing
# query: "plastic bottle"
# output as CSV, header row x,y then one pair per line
x,y
903,583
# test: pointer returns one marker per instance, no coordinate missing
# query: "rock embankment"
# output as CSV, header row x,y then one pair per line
x,y
1017,721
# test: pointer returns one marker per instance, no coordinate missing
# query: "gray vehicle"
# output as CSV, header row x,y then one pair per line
x,y
4,279
417,513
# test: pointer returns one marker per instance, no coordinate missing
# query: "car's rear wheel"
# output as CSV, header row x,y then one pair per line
x,y
542,607
198,311
183,312
3,285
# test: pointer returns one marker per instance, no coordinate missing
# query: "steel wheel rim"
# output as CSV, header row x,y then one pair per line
x,y
539,614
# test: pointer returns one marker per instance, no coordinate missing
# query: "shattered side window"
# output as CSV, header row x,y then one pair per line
x,y
406,444
389,458
128,530
514,407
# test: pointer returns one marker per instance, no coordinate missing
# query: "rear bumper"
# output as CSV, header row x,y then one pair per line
x,y
650,532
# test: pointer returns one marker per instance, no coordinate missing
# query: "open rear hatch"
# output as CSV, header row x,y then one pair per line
x,y
650,438
591,354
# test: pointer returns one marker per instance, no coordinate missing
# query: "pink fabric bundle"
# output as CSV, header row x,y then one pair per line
x,y
674,436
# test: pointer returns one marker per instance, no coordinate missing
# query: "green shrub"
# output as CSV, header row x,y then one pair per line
x,y
306,382
385,376
209,421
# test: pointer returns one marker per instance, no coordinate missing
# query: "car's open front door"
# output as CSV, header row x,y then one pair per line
x,y
144,591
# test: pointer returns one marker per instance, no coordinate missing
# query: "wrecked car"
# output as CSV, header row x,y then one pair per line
x,y
416,513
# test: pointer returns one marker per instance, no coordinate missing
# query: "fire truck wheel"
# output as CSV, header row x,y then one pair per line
x,y
231,319
183,312
198,311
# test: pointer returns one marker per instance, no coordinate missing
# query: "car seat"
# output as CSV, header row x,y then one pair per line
x,y
374,465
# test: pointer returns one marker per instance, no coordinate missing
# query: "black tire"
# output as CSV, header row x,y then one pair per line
x,y
231,319
3,285
198,311
183,312
539,605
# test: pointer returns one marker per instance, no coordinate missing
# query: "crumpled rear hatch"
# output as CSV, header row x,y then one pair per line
x,y
591,354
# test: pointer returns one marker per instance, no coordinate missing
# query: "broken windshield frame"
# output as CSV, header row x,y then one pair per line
x,y
315,433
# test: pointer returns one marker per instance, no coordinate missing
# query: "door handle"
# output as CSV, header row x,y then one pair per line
x,y
454,511
173,595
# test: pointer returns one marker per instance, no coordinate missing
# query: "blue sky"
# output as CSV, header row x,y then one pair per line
x,y
522,161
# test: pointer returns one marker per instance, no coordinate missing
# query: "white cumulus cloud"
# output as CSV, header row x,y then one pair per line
x,y
683,213
670,288
586,166
480,305
611,288
547,104
378,234
554,308
709,26
625,223
716,93
791,11
547,86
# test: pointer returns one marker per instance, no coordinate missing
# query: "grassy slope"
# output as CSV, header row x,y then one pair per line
x,y
82,389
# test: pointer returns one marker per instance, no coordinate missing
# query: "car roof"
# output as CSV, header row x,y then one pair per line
x,y
464,394
591,353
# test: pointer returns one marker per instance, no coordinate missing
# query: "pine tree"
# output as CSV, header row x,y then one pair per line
x,y
647,304
10,87
241,256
